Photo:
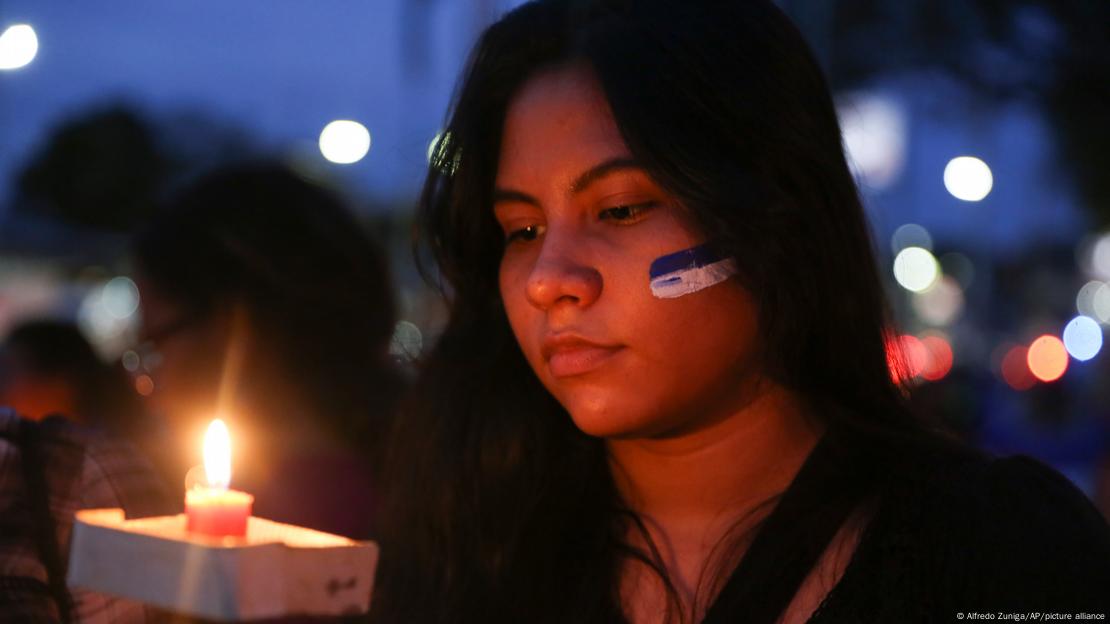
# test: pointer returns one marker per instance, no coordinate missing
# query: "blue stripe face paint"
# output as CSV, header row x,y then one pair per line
x,y
689,271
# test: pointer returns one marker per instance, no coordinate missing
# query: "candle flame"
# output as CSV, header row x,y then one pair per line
x,y
217,455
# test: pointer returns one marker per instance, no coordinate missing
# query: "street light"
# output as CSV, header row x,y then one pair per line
x,y
18,46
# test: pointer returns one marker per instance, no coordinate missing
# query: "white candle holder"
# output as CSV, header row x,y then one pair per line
x,y
276,570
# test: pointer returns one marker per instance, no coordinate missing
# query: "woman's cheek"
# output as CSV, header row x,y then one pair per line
x,y
512,281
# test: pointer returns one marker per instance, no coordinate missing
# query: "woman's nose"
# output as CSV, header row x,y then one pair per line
x,y
562,274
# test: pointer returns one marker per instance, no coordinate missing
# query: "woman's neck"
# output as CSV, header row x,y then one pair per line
x,y
695,489
732,463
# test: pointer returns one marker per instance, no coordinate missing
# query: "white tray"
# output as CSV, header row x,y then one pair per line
x,y
276,570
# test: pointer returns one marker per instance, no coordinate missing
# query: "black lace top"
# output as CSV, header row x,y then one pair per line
x,y
955,536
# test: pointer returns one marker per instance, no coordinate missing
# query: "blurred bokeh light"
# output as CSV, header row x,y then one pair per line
x,y
968,178
940,357
1048,359
941,303
874,130
344,142
1083,338
18,46
1015,369
916,269
911,235
1100,257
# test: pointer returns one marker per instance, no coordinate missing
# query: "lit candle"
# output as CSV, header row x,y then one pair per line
x,y
211,508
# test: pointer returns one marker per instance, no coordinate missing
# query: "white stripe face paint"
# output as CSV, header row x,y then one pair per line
x,y
689,271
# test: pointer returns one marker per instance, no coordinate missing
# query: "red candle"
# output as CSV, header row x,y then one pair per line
x,y
217,512
210,507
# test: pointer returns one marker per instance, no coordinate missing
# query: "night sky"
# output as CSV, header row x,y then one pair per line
x,y
282,69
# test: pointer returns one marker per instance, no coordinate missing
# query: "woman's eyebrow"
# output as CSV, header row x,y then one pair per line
x,y
597,172
593,174
508,195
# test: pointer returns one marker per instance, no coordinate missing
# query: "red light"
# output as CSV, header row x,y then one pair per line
x,y
144,385
906,357
1015,369
939,358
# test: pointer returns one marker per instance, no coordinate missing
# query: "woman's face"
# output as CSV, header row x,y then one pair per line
x,y
583,225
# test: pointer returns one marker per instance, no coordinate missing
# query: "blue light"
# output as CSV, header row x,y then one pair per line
x,y
1083,338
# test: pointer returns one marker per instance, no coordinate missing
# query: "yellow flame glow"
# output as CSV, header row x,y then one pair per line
x,y
217,455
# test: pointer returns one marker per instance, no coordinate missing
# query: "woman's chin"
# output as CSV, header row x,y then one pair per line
x,y
613,422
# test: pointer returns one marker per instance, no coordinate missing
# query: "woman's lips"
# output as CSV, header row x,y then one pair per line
x,y
568,356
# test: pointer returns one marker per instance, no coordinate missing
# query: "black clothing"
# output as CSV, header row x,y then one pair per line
x,y
955,533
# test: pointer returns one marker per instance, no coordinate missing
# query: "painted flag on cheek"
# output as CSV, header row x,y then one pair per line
x,y
688,271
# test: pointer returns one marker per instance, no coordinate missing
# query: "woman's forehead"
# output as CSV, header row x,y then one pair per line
x,y
559,120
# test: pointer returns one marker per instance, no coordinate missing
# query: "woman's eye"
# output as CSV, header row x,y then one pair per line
x,y
631,212
527,233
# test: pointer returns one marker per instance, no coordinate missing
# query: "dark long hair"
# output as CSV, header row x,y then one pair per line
x,y
500,509
314,286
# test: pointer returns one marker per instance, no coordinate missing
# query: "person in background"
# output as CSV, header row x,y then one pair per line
x,y
66,443
47,366
264,302
49,469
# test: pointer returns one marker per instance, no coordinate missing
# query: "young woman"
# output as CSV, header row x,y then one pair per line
x,y
663,393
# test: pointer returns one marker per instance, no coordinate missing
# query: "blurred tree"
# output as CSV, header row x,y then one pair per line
x,y
104,169
100,170
1055,53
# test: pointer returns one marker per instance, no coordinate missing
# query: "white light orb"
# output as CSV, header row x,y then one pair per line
x,y
344,142
958,266
18,46
1083,338
940,304
916,269
107,316
1100,257
131,361
407,341
911,235
1085,300
120,297
968,178
1100,303
437,154
432,146
874,130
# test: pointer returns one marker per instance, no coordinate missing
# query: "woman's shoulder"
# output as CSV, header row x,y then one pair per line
x,y
1027,489
956,478
1019,497
1010,493
1015,533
